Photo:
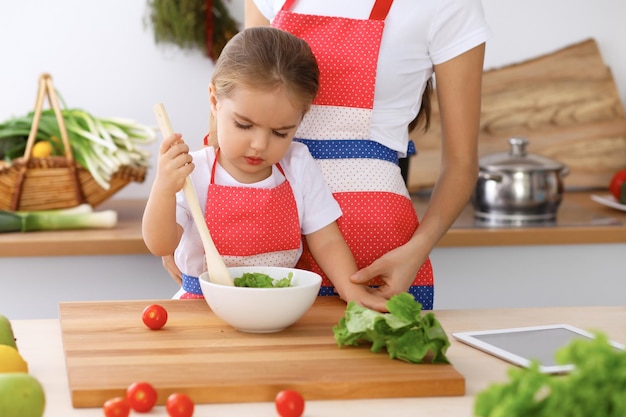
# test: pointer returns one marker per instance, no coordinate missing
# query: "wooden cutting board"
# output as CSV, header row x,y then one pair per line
x,y
565,103
107,348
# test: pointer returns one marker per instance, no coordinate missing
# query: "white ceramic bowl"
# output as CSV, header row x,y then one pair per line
x,y
262,310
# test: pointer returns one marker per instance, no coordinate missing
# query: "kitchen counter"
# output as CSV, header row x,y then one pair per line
x,y
46,363
584,222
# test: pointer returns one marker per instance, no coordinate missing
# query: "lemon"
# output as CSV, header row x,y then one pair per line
x,y
42,149
11,360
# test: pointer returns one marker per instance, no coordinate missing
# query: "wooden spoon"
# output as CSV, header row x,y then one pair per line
x,y
216,268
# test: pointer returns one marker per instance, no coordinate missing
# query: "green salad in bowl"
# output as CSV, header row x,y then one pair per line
x,y
261,280
264,299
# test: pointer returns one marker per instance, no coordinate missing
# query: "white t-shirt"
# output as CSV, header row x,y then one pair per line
x,y
417,35
316,206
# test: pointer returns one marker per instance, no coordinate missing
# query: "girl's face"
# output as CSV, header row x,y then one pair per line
x,y
254,130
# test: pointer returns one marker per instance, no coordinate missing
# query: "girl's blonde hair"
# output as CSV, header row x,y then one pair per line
x,y
267,58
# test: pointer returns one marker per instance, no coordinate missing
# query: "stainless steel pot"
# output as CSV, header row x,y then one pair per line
x,y
518,187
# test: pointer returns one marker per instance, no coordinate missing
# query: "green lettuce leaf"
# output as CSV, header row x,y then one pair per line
x,y
595,387
259,280
404,332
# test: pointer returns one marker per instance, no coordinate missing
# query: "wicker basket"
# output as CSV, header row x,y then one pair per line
x,y
57,181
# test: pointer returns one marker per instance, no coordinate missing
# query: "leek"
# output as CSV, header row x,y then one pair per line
x,y
79,217
100,145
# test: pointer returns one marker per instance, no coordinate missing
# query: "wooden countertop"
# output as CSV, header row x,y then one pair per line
x,y
46,363
585,222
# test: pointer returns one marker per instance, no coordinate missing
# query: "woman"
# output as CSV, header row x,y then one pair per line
x,y
376,59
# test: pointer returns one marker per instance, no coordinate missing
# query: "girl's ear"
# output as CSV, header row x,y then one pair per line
x,y
213,98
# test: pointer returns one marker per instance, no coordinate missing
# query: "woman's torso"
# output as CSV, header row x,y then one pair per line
x,y
417,35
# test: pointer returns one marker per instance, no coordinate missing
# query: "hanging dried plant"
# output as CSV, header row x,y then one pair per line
x,y
192,24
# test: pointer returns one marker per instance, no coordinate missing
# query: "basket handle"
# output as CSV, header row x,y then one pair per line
x,y
46,89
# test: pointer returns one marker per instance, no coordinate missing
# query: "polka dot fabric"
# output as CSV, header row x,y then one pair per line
x,y
344,149
247,221
378,214
347,175
348,71
334,122
250,226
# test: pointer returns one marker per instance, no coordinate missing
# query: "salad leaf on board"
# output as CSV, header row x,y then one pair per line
x,y
259,280
595,387
404,332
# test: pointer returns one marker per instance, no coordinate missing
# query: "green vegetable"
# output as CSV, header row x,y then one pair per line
x,y
100,145
79,217
596,387
186,23
259,280
404,332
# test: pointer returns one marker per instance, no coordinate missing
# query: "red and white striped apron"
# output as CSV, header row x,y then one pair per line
x,y
250,226
365,178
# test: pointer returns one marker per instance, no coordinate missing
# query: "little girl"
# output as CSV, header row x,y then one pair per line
x,y
260,191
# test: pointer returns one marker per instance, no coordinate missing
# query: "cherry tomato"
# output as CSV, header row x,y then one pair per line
x,y
116,407
154,316
289,403
141,396
616,185
179,405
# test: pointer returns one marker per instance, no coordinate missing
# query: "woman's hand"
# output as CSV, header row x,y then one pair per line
x,y
396,269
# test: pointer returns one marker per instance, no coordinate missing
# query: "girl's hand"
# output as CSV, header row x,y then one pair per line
x,y
174,164
170,266
396,269
364,296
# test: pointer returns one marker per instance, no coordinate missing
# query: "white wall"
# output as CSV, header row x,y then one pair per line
x,y
103,59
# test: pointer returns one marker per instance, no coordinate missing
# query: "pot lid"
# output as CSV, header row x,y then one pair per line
x,y
517,159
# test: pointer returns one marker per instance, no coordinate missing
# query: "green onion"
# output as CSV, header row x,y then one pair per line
x,y
79,217
101,145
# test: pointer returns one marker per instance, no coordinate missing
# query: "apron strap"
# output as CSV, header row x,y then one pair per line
x,y
287,5
217,153
379,11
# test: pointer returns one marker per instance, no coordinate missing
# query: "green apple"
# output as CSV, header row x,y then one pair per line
x,y
6,332
21,395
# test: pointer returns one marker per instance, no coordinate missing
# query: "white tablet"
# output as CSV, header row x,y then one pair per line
x,y
521,345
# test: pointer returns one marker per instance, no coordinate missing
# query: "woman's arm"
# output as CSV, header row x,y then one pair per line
x,y
253,17
458,86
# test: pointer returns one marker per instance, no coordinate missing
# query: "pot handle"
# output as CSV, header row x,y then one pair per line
x,y
490,176
564,171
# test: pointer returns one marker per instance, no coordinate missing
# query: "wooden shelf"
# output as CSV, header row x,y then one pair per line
x,y
588,226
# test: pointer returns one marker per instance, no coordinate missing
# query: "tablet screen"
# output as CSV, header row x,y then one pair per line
x,y
522,345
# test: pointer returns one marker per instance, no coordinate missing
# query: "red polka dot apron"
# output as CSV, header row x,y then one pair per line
x,y
365,177
250,226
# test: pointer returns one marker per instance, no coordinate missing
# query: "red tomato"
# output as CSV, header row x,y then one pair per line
x,y
615,185
289,403
116,407
141,396
154,316
179,405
